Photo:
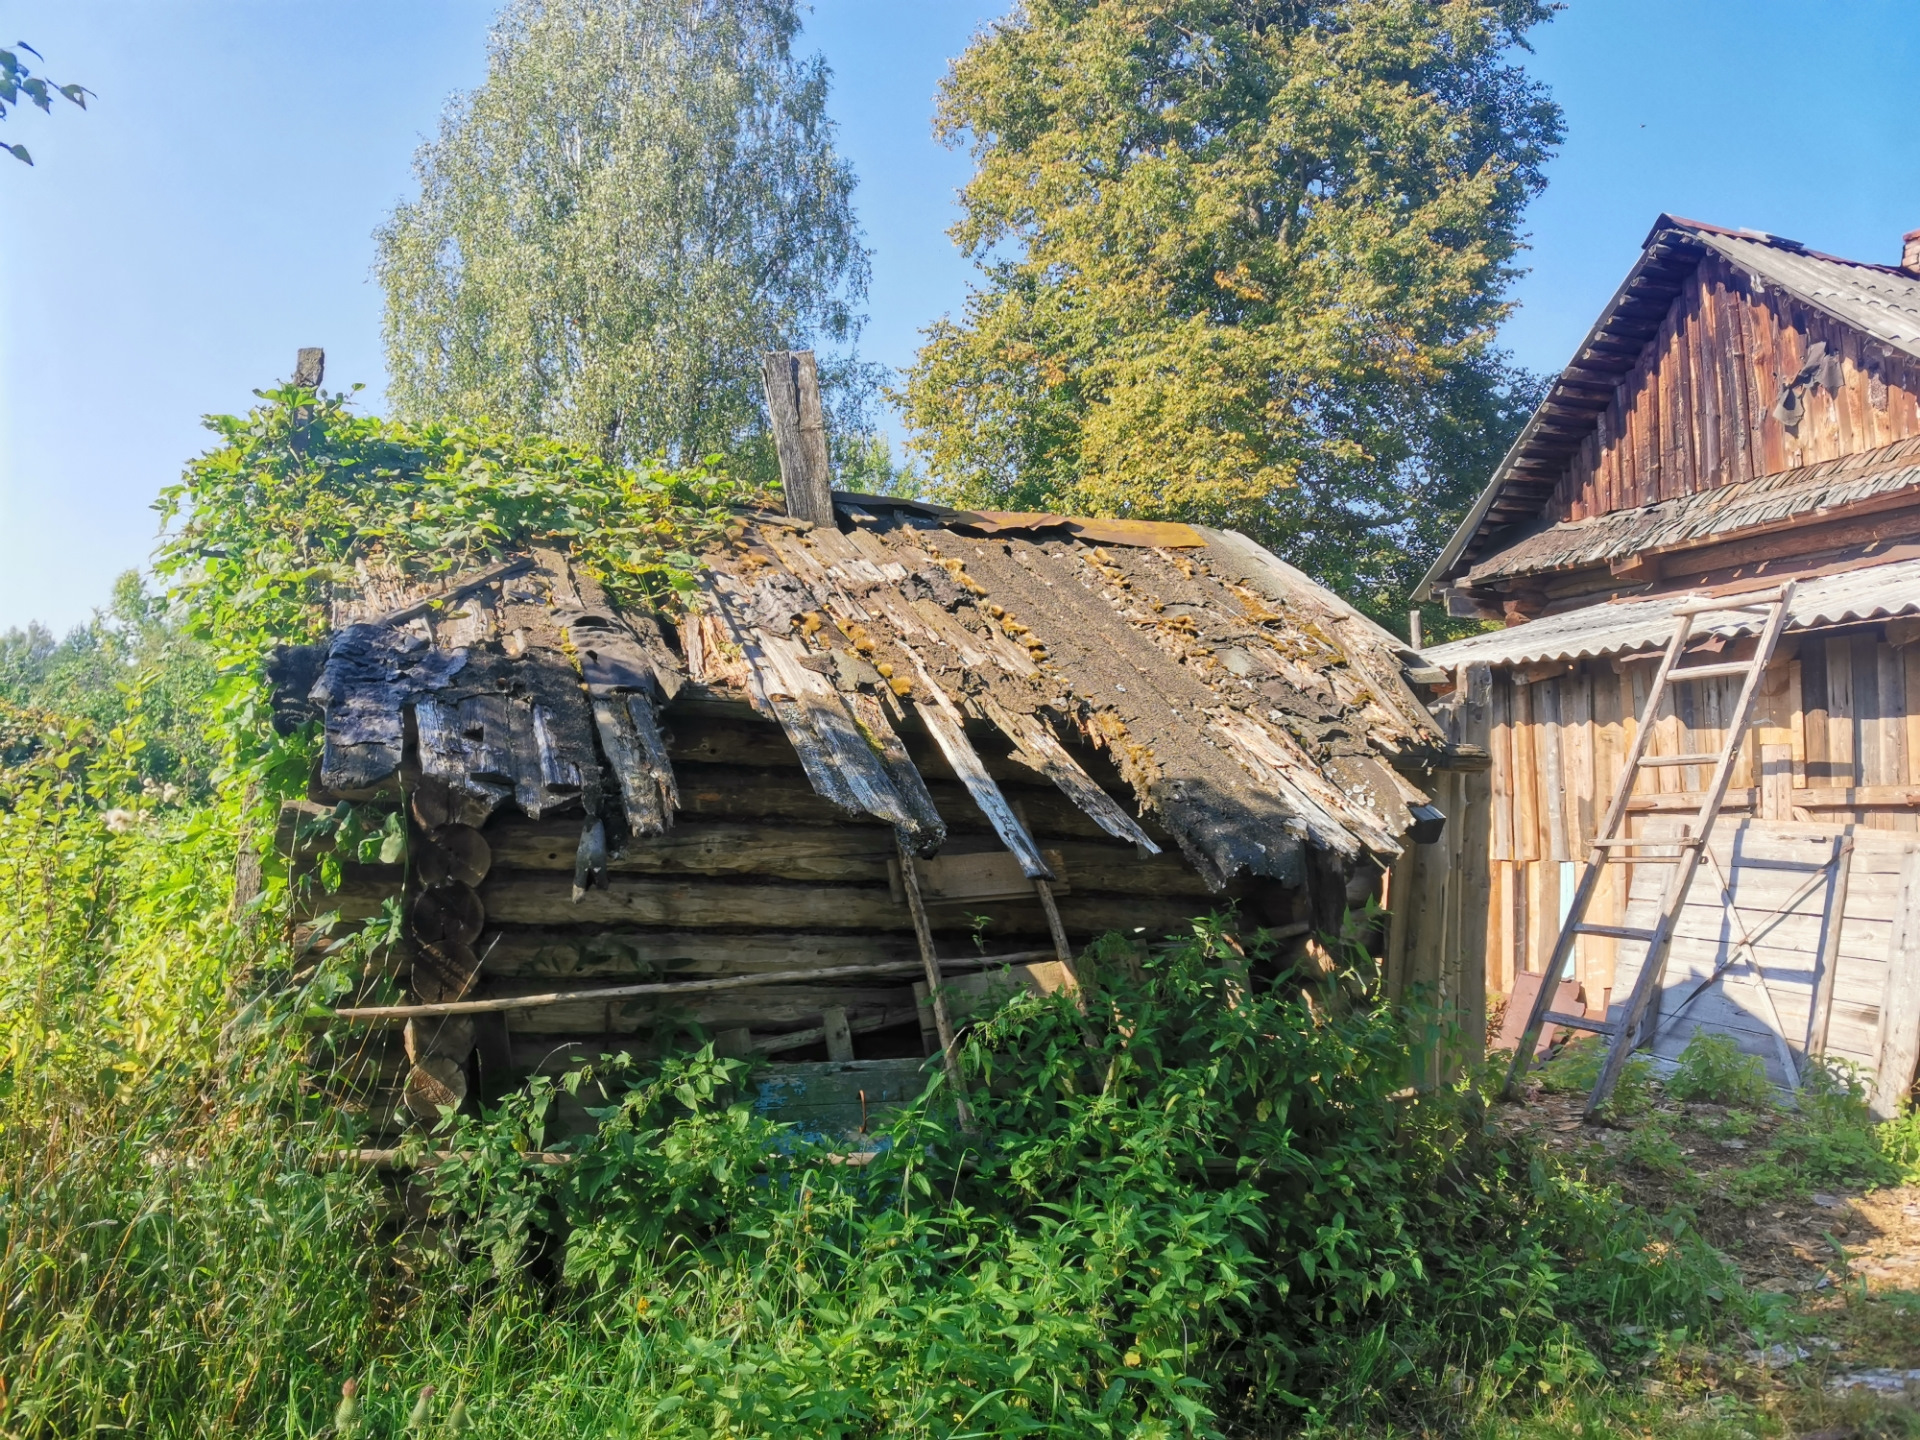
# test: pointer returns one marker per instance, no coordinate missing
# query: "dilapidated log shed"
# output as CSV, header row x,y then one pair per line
x,y
1745,411
911,743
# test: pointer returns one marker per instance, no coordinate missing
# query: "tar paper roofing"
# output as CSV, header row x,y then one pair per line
x,y
1881,301
1620,627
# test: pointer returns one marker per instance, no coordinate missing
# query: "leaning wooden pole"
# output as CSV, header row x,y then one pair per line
x,y
799,433
943,1022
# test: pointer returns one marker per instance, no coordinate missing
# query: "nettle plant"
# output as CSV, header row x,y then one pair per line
x,y
1204,1201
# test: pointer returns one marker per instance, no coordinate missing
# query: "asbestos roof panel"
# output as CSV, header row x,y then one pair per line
x,y
1877,300
1770,500
1620,628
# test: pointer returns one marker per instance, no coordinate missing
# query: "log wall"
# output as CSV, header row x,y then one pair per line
x,y
757,874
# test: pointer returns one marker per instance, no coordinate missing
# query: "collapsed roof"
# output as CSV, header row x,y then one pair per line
x,y
1249,711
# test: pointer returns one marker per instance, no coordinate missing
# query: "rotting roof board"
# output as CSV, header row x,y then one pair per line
x,y
1623,627
1882,301
1250,711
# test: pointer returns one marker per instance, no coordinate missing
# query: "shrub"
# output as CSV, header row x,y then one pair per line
x,y
1714,1069
1577,1067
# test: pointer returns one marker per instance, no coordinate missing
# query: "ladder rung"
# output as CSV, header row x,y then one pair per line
x,y
1578,1022
1613,932
1711,672
1657,761
1685,842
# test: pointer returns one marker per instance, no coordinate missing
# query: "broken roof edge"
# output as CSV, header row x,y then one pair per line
x,y
1665,225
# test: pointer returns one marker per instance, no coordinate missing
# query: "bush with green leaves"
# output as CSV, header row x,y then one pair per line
x,y
1200,1203
1576,1068
1713,1068
302,492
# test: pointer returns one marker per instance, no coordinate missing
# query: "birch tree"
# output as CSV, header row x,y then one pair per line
x,y
640,197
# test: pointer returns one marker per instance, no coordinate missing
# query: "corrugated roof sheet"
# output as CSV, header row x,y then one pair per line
x,y
1878,300
1768,500
1615,629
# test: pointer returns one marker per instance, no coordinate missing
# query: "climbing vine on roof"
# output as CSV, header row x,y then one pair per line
x,y
302,490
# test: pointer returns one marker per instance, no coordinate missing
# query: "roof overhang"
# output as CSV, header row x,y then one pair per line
x,y
1620,628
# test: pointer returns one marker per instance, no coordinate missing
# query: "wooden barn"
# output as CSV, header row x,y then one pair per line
x,y
1744,412
894,757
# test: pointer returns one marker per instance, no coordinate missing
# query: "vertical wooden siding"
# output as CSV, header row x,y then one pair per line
x,y
1437,895
1836,739
1694,412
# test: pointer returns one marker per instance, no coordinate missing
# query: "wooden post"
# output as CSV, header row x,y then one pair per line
x,y
799,433
839,1035
943,1022
1836,918
309,367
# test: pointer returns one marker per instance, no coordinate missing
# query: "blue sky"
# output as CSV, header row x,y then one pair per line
x,y
213,211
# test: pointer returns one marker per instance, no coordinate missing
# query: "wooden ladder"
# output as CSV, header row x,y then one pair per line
x,y
1610,846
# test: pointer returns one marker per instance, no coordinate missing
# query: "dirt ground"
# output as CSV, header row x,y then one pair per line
x,y
1847,1261
1802,1245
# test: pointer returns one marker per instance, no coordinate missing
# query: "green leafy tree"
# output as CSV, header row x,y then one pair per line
x,y
131,669
641,197
1242,263
17,79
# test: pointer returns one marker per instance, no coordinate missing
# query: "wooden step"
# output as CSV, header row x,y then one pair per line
x,y
1711,672
1578,1022
1656,762
1613,932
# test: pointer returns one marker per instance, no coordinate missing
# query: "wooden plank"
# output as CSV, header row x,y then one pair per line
x,y
1842,755
829,739
1826,969
1501,771
1891,724
1032,736
951,879
792,383
1776,782
925,826
1576,758
1899,1040
1526,783
836,1032
944,722
640,797
1910,657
